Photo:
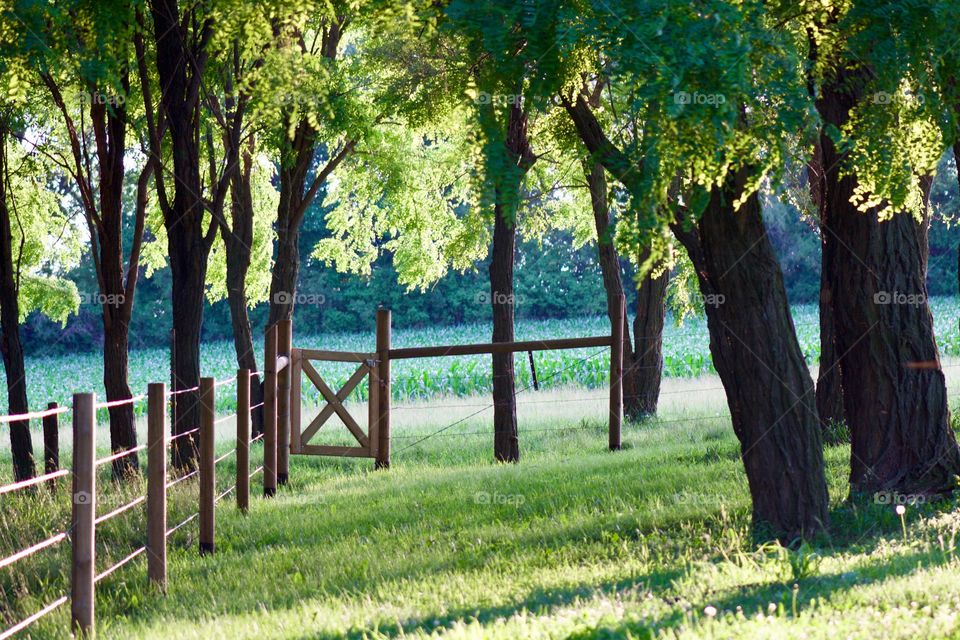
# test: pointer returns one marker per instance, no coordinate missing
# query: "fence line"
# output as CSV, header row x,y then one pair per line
x,y
29,551
25,484
26,622
33,415
120,403
82,532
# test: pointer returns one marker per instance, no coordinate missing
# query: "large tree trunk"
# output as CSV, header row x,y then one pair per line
x,y
188,270
643,367
894,391
756,353
829,389
753,344
181,58
21,444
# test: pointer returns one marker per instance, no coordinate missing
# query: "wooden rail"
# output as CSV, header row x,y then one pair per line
x,y
376,443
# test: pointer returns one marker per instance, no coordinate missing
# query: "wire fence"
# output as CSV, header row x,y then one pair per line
x,y
157,450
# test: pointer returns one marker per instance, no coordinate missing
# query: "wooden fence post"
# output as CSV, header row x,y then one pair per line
x,y
284,346
157,484
295,401
51,443
616,374
270,412
84,513
383,397
207,469
243,440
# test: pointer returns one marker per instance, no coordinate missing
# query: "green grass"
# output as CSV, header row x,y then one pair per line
x,y
574,542
686,354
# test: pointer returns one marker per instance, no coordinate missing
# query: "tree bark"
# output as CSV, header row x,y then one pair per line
x,y
829,389
110,131
756,353
648,350
506,443
894,390
753,343
181,57
238,242
21,443
643,366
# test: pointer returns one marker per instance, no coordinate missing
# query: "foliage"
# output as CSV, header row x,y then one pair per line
x,y
38,225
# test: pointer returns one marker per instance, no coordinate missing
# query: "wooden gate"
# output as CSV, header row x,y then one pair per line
x,y
367,442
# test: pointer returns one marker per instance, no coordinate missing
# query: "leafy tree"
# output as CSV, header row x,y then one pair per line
x,y
710,118
881,141
180,37
82,55
30,221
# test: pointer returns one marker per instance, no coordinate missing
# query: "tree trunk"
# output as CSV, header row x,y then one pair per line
x,y
238,242
894,391
116,310
643,368
21,444
756,353
295,162
506,443
829,389
189,277
753,344
648,337
286,271
123,430
181,54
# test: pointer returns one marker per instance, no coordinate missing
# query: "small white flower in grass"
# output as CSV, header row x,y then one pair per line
x,y
771,607
901,509
710,610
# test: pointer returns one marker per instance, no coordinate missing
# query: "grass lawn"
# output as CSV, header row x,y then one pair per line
x,y
574,542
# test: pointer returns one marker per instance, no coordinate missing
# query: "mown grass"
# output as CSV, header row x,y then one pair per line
x,y
574,542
